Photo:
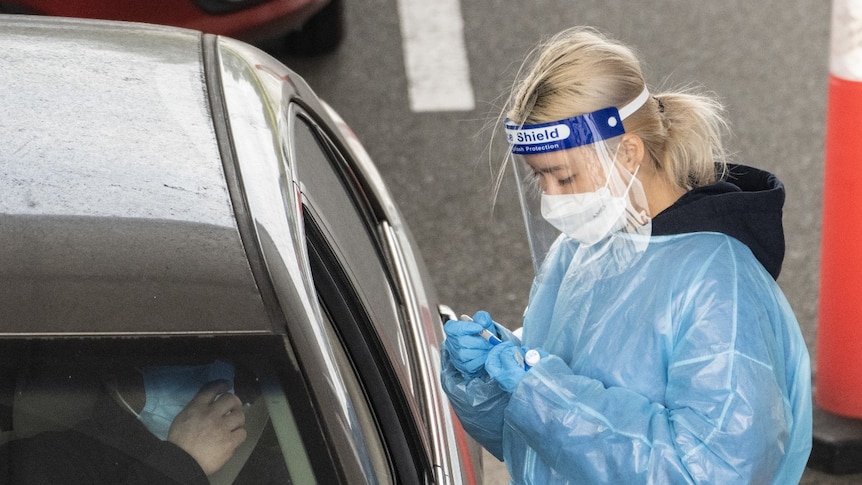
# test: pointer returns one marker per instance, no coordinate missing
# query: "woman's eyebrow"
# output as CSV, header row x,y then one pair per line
x,y
552,169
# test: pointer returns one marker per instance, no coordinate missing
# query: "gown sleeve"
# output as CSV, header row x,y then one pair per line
x,y
479,402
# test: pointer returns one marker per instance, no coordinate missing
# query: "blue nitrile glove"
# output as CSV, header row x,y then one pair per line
x,y
506,364
467,350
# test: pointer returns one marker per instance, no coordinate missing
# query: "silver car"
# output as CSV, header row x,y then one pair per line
x,y
172,199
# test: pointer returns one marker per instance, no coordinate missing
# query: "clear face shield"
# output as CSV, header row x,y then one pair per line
x,y
572,184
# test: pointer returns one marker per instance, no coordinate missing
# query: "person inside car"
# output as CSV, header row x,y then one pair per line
x,y
181,424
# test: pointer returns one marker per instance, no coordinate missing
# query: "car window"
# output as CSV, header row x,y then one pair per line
x,y
352,279
367,436
365,360
335,199
370,450
77,409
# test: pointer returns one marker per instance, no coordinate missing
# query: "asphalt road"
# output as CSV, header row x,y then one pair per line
x,y
766,60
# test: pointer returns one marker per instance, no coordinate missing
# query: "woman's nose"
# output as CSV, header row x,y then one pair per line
x,y
552,189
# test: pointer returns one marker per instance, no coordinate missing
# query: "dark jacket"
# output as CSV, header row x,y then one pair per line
x,y
110,448
746,206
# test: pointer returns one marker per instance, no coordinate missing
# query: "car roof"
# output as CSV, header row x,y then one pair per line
x,y
114,210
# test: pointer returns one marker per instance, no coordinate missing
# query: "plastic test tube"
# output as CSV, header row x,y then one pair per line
x,y
485,333
530,359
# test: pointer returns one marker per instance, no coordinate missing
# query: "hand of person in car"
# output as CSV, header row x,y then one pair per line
x,y
210,427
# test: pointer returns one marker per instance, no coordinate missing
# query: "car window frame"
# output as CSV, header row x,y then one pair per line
x,y
302,342
285,94
360,336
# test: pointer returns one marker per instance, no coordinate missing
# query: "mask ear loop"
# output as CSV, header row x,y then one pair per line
x,y
113,389
610,173
632,180
624,113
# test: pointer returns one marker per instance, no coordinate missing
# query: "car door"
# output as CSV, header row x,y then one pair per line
x,y
342,274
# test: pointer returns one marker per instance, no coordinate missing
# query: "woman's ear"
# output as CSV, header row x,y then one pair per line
x,y
631,152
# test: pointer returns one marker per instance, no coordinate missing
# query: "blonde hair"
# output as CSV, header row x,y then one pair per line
x,y
580,70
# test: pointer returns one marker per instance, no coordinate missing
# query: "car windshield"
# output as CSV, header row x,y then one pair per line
x,y
86,410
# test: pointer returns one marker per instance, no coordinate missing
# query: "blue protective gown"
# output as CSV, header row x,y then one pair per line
x,y
685,365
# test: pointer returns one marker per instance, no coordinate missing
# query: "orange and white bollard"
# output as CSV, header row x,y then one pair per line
x,y
839,332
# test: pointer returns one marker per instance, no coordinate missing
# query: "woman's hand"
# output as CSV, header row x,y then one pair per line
x,y
468,350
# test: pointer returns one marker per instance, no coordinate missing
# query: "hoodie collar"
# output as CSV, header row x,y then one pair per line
x,y
747,206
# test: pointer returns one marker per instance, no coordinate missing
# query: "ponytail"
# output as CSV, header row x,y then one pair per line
x,y
689,147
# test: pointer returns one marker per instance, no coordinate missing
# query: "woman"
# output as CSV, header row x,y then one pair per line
x,y
668,353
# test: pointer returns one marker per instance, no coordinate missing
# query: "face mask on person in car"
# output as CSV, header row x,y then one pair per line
x,y
170,388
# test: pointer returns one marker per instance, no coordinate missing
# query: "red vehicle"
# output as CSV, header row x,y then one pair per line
x,y
309,27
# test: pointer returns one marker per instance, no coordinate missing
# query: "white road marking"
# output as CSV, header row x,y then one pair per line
x,y
435,58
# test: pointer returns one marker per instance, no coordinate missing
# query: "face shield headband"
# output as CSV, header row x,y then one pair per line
x,y
584,149
573,132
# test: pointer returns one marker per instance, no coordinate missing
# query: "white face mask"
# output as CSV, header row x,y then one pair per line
x,y
587,217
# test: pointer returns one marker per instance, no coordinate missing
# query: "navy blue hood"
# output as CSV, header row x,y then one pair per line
x,y
746,206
